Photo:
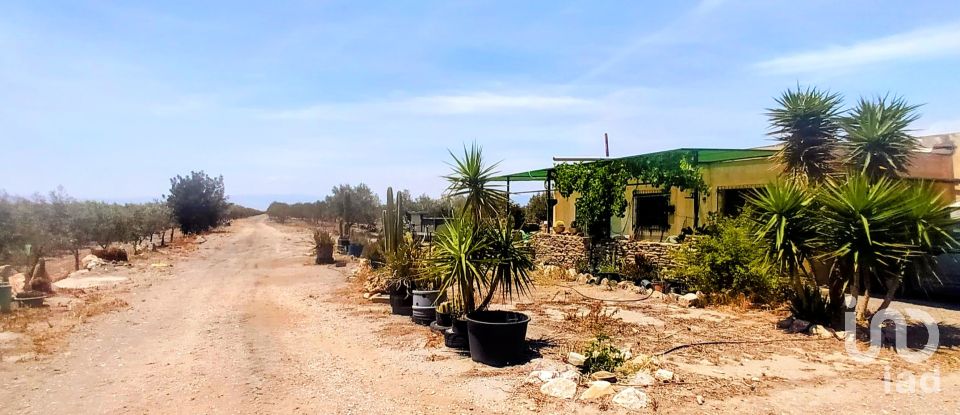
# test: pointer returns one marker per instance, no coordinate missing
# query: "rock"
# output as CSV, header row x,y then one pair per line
x,y
785,323
820,331
604,376
541,376
841,335
582,278
87,260
632,399
663,375
700,400
642,379
560,388
689,300
570,375
16,282
799,326
201,240
625,285
160,265
89,282
673,297
575,358
597,389
571,273
657,295
6,272
604,282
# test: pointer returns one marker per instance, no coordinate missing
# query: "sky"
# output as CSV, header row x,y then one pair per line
x,y
286,99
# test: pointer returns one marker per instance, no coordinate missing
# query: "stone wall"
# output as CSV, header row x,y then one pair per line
x,y
569,250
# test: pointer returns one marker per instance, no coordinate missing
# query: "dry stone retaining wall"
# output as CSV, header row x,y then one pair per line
x,y
569,250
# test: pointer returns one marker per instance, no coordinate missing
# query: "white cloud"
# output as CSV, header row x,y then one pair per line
x,y
917,44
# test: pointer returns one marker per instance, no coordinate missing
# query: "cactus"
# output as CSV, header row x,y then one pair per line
x,y
392,224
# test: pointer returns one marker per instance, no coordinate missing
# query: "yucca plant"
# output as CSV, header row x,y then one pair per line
x,y
782,213
863,231
511,262
459,260
471,179
878,140
928,224
806,124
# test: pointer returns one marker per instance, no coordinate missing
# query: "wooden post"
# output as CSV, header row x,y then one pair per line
x,y
606,144
696,195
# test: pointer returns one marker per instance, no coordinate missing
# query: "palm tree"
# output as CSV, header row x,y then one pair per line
x,y
878,140
806,123
781,211
862,230
472,179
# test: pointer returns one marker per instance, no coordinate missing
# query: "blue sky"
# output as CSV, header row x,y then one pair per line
x,y
286,99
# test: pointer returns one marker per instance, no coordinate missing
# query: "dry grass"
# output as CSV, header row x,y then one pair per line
x,y
48,327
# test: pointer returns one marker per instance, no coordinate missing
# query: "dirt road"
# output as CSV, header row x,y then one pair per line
x,y
246,324
242,326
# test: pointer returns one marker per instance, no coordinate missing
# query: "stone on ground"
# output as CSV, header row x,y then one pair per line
x,y
81,282
597,389
6,272
799,326
663,375
632,399
688,300
575,358
642,379
571,375
560,388
821,331
785,323
604,375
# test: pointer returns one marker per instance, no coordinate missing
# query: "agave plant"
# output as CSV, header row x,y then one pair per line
x,y
863,224
807,126
878,140
782,213
472,179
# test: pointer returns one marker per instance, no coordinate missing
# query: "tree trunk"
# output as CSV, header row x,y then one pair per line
x,y
171,234
163,238
855,289
489,296
862,309
76,259
893,284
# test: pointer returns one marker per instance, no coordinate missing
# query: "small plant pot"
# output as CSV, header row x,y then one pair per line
x,y
444,319
497,338
401,302
325,254
424,306
456,336
658,286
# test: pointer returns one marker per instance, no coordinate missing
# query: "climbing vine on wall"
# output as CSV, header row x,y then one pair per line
x,y
601,185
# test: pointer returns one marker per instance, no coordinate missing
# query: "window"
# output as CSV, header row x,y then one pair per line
x,y
651,211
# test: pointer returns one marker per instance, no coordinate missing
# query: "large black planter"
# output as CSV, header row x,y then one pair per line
x,y
401,302
497,338
444,319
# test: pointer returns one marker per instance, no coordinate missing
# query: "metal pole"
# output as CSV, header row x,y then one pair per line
x,y
606,144
549,205
508,197
696,195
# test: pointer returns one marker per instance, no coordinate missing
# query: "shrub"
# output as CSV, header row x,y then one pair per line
x,y
727,262
601,355
811,305
111,254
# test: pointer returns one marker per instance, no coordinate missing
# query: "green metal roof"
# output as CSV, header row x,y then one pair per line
x,y
704,156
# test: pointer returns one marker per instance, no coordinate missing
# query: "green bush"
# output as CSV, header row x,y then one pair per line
x,y
601,355
728,261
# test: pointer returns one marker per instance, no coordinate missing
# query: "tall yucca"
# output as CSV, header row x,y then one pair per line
x,y
806,124
473,179
878,140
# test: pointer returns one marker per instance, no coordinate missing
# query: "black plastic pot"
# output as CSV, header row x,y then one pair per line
x,y
456,336
401,302
497,338
355,250
444,319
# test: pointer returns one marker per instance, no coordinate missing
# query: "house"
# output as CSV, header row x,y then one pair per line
x,y
730,175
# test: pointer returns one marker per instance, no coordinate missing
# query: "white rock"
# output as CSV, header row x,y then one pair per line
x,y
575,358
642,379
663,375
597,389
820,331
700,400
632,399
85,262
560,388
541,376
570,375
688,300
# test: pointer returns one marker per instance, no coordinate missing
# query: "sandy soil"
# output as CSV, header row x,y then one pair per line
x,y
246,324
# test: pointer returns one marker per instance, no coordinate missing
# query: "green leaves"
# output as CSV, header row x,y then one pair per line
x,y
877,136
806,124
471,178
782,214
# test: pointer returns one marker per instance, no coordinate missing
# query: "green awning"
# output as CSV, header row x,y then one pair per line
x,y
704,156
527,176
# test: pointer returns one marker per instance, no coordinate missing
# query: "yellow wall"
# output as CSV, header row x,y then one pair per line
x,y
735,174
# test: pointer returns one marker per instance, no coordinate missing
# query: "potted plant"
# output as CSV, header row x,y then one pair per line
x,y
559,226
324,247
401,257
477,253
444,314
425,299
